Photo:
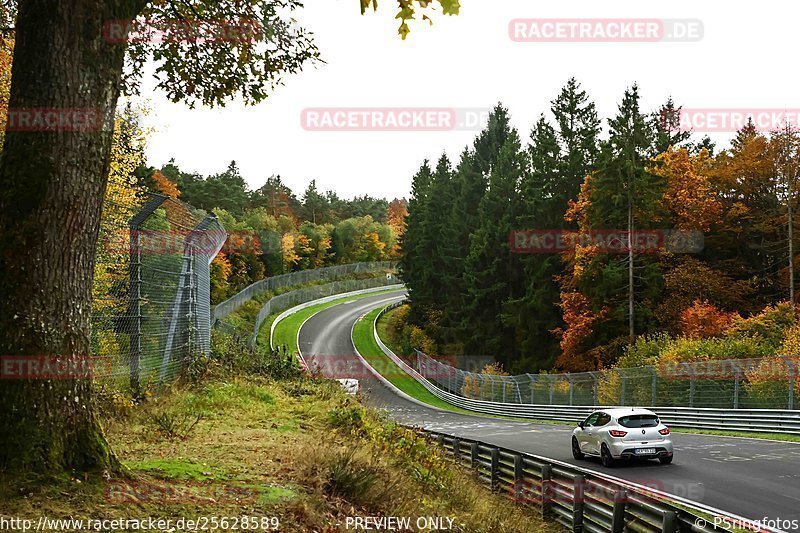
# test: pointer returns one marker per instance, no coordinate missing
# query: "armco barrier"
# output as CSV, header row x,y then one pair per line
x,y
753,420
233,303
577,498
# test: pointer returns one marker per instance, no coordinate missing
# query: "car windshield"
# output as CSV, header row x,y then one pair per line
x,y
638,421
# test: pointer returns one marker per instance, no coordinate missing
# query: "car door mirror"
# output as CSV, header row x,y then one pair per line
x,y
580,425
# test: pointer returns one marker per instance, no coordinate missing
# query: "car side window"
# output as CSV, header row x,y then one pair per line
x,y
592,420
603,419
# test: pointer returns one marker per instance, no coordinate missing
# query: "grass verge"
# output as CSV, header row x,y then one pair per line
x,y
286,330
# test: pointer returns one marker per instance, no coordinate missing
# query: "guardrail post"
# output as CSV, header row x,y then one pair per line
x,y
473,449
495,468
456,449
547,476
618,515
578,486
670,523
519,478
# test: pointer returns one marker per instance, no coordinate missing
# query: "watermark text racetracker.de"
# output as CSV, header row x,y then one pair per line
x,y
393,118
605,30
729,120
554,241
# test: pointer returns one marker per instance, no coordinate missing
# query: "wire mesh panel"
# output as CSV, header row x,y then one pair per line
x,y
766,383
152,288
233,303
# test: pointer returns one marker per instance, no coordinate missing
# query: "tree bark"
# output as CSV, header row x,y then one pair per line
x,y
52,185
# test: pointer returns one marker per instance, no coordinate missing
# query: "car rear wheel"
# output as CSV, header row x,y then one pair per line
x,y
606,457
576,449
665,460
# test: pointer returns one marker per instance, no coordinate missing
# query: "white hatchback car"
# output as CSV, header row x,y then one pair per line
x,y
613,434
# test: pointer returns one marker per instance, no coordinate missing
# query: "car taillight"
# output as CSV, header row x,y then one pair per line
x,y
618,433
664,431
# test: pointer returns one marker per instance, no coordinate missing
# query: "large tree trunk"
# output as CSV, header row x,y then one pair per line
x,y
51,191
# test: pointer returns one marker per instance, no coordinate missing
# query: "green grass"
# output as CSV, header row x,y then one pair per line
x,y
286,330
365,343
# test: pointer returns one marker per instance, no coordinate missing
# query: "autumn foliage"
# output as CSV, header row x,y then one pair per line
x,y
703,320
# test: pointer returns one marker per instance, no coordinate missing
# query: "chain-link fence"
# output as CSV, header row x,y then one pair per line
x,y
767,383
152,304
301,277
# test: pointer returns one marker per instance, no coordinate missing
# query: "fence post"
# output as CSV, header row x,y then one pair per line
x,y
690,371
792,378
736,389
547,475
504,389
622,389
519,478
551,390
494,470
670,523
618,516
594,389
456,448
474,451
655,384
570,388
135,308
578,486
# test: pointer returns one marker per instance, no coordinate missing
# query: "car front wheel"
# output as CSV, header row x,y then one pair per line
x,y
605,457
576,449
665,460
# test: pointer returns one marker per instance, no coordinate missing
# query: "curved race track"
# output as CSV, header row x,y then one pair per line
x,y
749,477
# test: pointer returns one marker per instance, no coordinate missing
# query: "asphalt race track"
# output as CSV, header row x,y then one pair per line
x,y
748,477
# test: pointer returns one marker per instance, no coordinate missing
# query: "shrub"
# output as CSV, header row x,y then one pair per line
x,y
396,322
347,418
703,320
685,350
232,355
645,351
175,426
771,324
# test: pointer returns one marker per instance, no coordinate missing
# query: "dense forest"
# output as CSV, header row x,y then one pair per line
x,y
315,230
580,309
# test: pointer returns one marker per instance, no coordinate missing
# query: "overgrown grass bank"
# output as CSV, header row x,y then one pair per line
x,y
233,440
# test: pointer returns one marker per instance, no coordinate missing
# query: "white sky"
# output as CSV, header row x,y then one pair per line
x,y
745,60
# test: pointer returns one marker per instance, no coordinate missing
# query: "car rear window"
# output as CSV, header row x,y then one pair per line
x,y
638,421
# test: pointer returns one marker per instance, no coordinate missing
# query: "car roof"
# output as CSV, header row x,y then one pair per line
x,y
625,411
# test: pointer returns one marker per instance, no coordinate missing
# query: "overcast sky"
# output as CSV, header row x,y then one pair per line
x,y
746,59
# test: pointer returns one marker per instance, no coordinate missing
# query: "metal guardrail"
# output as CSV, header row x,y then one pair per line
x,y
223,309
749,420
578,499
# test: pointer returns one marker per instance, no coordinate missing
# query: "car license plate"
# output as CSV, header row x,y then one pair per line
x,y
645,451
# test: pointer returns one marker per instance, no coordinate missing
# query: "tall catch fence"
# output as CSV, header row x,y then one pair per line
x,y
301,277
765,383
152,289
